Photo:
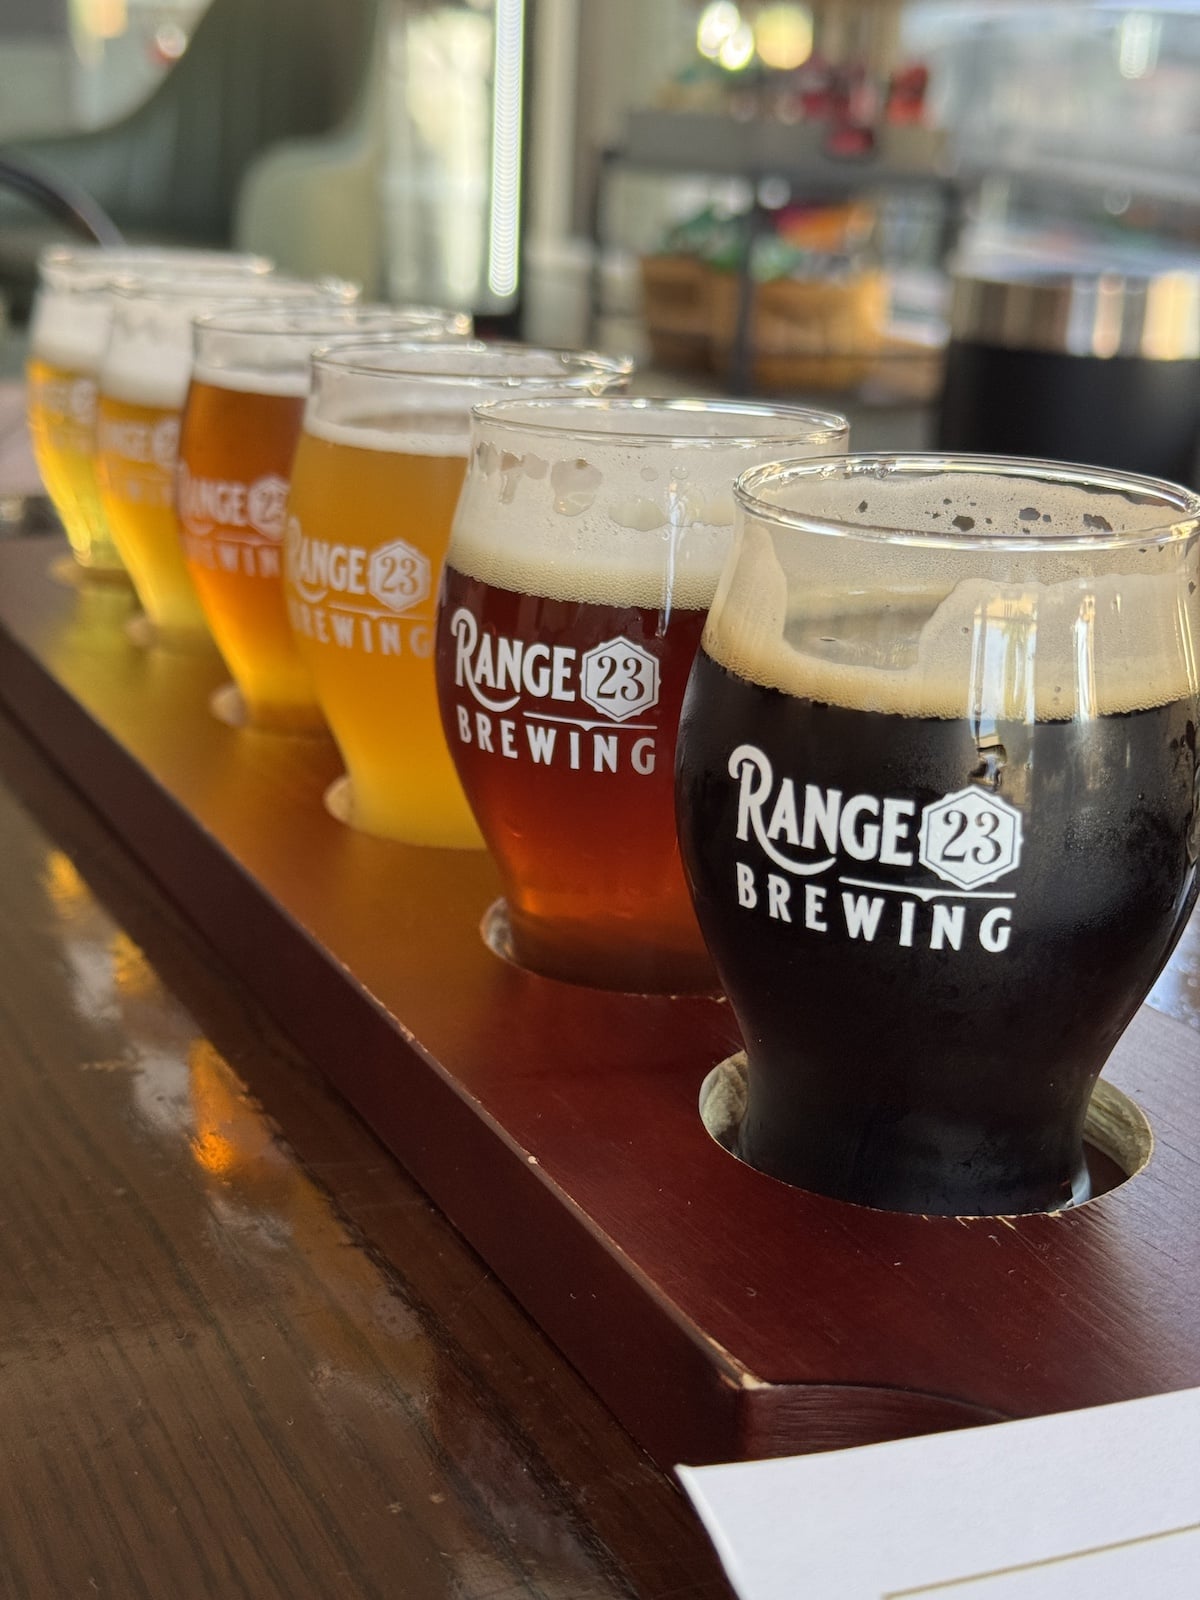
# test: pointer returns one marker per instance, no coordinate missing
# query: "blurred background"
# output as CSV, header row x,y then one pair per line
x,y
747,194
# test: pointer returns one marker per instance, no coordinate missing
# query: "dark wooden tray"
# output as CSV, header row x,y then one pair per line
x,y
719,1313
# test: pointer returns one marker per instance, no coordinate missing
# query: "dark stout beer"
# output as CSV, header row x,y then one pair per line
x,y
936,1059
937,791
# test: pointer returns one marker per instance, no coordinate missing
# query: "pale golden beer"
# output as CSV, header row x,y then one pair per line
x,y
69,331
374,486
143,384
240,425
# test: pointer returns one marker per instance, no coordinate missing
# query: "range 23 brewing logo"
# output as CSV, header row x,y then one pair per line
x,y
815,853
532,700
231,526
376,601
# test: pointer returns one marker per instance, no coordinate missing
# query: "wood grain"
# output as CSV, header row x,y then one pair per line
x,y
718,1312
241,1353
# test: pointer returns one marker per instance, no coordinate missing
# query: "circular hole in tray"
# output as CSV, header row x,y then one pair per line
x,y
1118,1139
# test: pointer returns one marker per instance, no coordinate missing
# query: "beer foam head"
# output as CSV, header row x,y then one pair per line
x,y
926,587
148,359
390,393
73,311
70,330
616,501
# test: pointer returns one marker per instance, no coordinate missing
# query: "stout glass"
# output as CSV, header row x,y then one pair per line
x,y
240,425
68,334
375,481
937,789
143,384
586,550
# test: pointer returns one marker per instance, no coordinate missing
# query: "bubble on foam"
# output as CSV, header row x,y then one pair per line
x,y
588,523
880,627
986,506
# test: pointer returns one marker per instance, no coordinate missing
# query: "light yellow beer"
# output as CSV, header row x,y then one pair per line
x,y
62,428
69,331
374,487
143,385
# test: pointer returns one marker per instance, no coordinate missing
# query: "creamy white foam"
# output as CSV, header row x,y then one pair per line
x,y
605,521
70,332
920,629
138,377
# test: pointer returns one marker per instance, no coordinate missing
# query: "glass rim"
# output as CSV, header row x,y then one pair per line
x,y
579,365
1181,506
255,320
257,288
524,416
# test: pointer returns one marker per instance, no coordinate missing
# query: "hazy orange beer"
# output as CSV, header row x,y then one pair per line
x,y
143,383
240,425
69,330
374,485
585,552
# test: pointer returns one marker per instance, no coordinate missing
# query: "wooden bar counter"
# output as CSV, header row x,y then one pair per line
x,y
244,1355
241,1355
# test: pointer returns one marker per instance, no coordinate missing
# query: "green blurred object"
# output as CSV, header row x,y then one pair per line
x,y
261,79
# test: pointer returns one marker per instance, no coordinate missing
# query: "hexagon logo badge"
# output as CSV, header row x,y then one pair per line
x,y
266,505
398,576
619,679
970,838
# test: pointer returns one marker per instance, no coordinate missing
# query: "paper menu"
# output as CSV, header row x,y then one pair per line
x,y
1103,1503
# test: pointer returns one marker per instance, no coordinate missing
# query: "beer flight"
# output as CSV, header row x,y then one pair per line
x,y
899,753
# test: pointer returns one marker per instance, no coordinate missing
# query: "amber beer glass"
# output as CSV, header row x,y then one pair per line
x,y
937,788
586,549
240,424
143,384
375,481
69,329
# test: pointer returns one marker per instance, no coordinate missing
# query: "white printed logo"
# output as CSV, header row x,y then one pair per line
x,y
266,504
618,679
164,442
970,838
399,576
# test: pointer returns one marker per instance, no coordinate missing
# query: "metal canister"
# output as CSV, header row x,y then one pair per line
x,y
1088,366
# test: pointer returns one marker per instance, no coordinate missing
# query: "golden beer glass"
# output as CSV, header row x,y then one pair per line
x,y
374,485
586,550
240,425
143,384
69,329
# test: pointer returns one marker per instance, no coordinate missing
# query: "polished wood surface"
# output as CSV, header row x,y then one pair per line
x,y
241,1354
718,1312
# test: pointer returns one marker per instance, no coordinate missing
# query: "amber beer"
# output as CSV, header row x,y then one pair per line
x,y
375,482
938,807
241,423
585,553
69,331
143,386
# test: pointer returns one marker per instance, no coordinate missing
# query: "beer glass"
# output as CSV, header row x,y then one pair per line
x,y
375,480
937,788
143,383
68,333
585,551
238,435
